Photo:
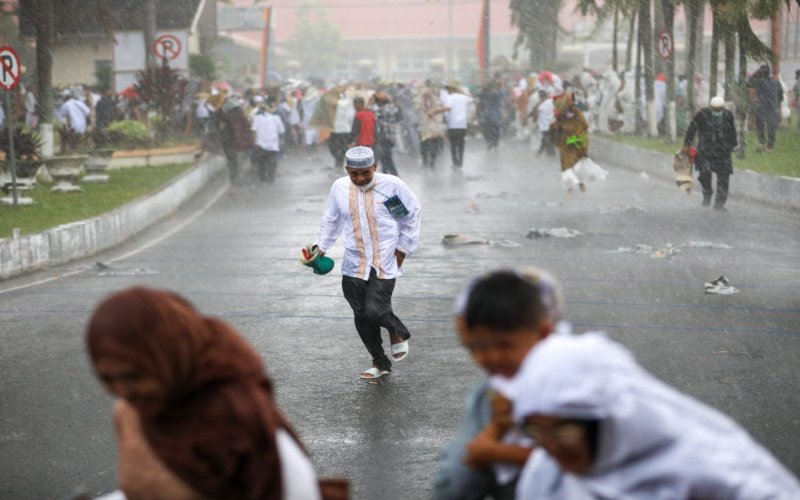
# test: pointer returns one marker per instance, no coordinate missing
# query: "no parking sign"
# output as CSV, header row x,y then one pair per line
x,y
167,47
10,69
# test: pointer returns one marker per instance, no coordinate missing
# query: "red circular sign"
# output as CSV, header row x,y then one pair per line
x,y
10,69
665,44
167,47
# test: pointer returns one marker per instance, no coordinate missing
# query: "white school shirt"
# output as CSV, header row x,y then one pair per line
x,y
545,115
345,114
371,233
77,112
458,110
268,128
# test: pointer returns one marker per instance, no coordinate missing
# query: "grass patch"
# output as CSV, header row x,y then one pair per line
x,y
53,209
784,160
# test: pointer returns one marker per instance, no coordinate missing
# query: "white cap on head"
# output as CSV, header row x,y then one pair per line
x,y
717,102
258,99
360,157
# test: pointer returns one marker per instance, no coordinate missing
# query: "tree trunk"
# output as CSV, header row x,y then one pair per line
x,y
691,55
659,64
629,48
668,8
700,27
149,32
637,81
44,73
614,61
730,63
742,101
713,68
646,34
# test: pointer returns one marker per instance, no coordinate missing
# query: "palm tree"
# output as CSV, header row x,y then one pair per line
x,y
537,21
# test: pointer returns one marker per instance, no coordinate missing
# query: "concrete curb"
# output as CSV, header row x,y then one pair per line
x,y
775,191
23,254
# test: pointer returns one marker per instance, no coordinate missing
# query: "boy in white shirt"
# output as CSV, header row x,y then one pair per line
x,y
267,128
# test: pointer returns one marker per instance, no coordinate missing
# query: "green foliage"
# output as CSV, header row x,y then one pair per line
x,y
26,143
315,41
103,75
53,209
202,66
128,134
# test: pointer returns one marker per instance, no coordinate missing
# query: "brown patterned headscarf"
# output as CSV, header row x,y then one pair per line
x,y
217,432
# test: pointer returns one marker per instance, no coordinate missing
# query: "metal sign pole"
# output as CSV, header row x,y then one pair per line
x,y
12,161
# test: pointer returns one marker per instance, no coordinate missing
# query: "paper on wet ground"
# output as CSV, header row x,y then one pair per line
x,y
463,239
720,286
619,209
109,270
707,244
556,232
666,251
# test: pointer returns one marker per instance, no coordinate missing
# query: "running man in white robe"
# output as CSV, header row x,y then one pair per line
x,y
380,218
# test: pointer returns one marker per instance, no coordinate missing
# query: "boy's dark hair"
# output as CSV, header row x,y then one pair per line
x,y
358,101
504,301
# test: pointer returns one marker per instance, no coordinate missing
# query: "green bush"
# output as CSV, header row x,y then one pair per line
x,y
202,66
128,134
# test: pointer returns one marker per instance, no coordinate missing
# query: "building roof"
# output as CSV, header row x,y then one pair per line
x,y
83,18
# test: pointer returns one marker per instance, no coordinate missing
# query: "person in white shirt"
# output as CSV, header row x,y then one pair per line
x,y
75,115
267,128
457,105
545,113
342,127
380,218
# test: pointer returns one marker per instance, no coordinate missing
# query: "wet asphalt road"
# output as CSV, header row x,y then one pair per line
x,y
238,260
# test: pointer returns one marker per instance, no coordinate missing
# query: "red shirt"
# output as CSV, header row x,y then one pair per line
x,y
364,128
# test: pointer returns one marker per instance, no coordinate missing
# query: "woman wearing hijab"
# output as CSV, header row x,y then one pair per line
x,y
195,417
618,432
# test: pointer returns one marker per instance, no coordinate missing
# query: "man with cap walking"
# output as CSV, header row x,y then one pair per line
x,y
716,140
380,218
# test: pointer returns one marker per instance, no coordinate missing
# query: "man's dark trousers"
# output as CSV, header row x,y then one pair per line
x,y
456,138
723,181
371,302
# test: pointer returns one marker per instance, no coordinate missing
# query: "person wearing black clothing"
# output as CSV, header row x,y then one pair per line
x,y
716,140
769,95
105,113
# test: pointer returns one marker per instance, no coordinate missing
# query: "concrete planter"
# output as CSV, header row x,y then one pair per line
x,y
65,170
152,157
96,164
